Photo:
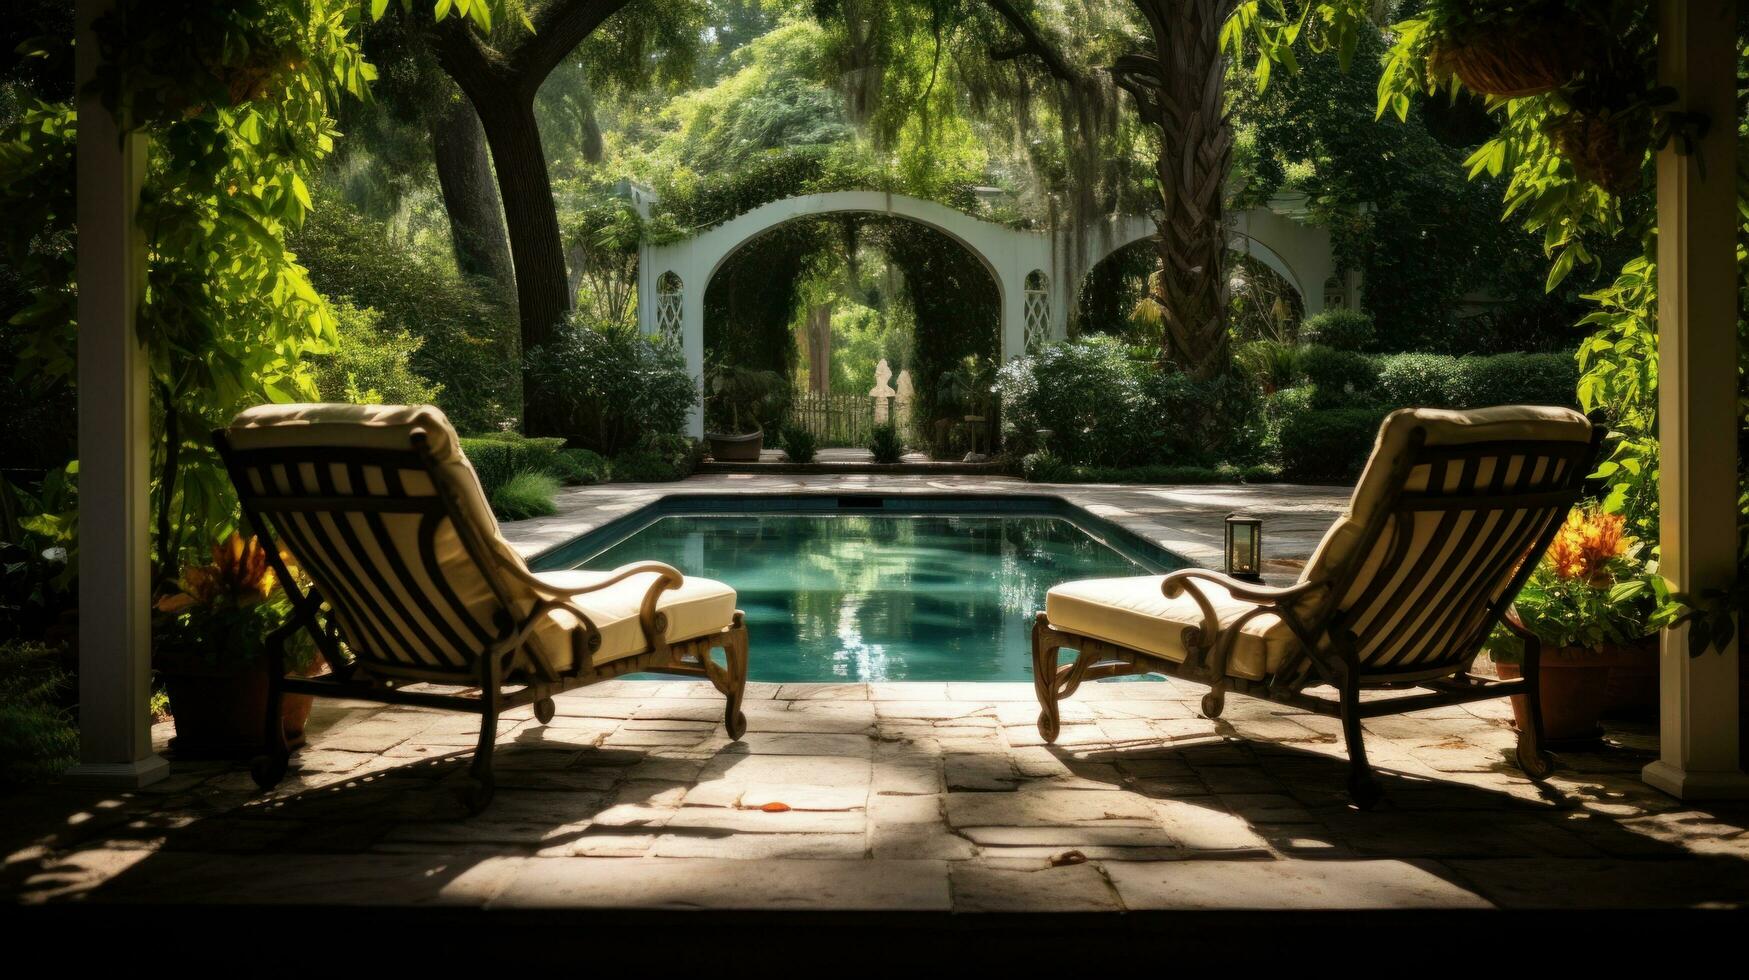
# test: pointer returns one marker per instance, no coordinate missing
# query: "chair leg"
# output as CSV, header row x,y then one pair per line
x,y
1044,678
1536,763
544,710
1362,788
477,794
269,768
734,686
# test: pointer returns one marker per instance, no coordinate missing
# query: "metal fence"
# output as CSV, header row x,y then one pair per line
x,y
835,420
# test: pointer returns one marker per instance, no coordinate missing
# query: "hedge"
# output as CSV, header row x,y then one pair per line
x,y
1328,445
1476,381
499,457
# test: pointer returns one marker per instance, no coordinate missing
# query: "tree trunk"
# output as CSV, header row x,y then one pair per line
x,y
1178,90
542,288
470,197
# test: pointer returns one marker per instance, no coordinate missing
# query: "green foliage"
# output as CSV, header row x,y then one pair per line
x,y
1339,378
1089,393
1350,330
799,444
468,343
580,467
611,387
38,738
371,364
661,459
1328,445
1516,379
1043,467
885,443
1419,380
1272,364
741,401
498,458
526,494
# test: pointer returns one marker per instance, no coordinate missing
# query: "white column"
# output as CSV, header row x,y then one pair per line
x,y
693,286
1013,328
114,571
1697,396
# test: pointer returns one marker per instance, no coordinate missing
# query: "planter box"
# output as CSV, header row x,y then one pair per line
x,y
1575,688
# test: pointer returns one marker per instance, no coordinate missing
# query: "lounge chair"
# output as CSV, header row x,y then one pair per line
x,y
1453,511
414,586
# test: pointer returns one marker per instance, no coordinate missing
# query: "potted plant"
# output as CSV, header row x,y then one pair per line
x,y
1507,50
210,641
965,391
739,399
1589,604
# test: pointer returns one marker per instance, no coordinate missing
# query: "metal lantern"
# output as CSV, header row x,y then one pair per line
x,y
1245,547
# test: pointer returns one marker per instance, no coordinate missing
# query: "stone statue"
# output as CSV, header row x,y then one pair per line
x,y
882,392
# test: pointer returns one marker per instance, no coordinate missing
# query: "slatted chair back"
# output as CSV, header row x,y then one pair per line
x,y
379,508
1451,515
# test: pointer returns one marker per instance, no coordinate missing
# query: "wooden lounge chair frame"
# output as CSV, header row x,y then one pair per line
x,y
1326,649
496,662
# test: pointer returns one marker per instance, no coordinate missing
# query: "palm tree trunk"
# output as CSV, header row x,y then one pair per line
x,y
1178,90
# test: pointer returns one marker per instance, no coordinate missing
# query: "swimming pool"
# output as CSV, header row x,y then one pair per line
x,y
870,593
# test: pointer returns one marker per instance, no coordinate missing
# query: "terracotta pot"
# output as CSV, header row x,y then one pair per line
x,y
1633,683
1574,690
736,449
1608,151
220,711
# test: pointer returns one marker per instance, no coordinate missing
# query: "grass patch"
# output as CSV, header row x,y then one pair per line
x,y
525,495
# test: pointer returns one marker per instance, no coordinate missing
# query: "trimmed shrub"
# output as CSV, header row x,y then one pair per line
x,y
527,494
580,467
1419,380
1186,421
1088,393
498,457
885,444
612,388
799,444
1329,445
1339,378
1350,330
1044,467
1517,379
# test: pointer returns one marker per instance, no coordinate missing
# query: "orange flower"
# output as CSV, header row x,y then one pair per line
x,y
239,574
1584,545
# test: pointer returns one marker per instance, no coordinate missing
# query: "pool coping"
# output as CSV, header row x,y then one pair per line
x,y
1182,520
1150,556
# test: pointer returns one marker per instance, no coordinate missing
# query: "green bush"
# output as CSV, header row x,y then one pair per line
x,y
1087,392
1339,378
610,387
1419,380
885,444
498,457
644,466
38,739
468,346
1350,330
799,444
526,494
1272,364
1041,467
372,364
1202,422
1329,445
580,467
1518,379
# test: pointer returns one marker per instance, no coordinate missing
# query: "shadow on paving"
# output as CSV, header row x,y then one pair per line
x,y
400,836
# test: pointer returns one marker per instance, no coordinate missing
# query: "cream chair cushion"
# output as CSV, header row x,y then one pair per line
x,y
698,607
1133,612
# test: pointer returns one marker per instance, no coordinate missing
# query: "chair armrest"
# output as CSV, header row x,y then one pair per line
x,y
668,577
1183,579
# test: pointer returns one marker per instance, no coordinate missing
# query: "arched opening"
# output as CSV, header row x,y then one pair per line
x,y
1037,309
823,301
1264,304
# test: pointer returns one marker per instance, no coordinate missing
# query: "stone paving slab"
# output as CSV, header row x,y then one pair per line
x,y
889,796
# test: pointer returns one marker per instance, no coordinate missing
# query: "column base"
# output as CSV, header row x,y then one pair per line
x,y
1718,785
119,775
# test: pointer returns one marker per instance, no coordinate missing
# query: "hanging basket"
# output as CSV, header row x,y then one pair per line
x,y
1606,150
1513,61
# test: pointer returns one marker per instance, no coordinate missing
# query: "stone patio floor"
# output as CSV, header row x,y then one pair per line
x,y
895,796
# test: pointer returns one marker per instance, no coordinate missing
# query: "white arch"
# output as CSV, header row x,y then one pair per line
x,y
1299,252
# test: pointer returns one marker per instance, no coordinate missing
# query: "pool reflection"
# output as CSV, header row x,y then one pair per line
x,y
880,597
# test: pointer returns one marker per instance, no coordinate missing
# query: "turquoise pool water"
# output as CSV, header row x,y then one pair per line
x,y
881,597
